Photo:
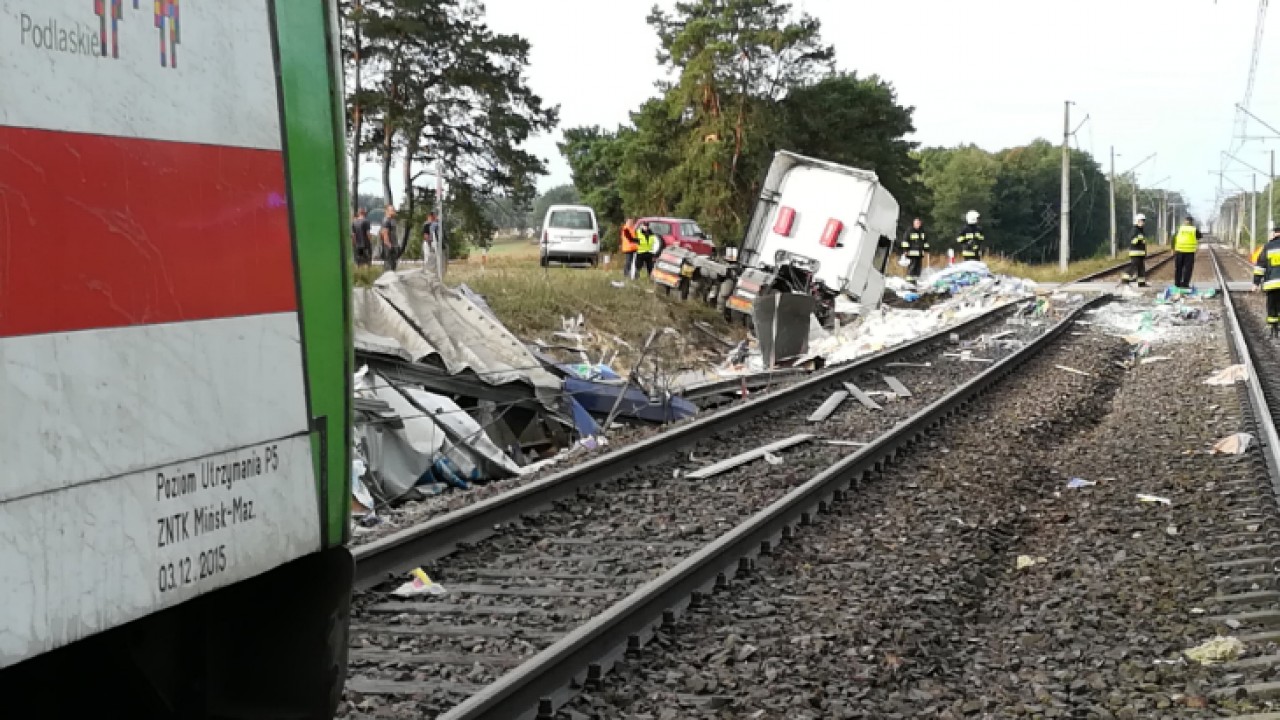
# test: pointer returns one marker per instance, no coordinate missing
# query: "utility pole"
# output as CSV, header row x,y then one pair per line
x,y
1239,220
1064,240
1164,212
1253,217
1271,198
1113,201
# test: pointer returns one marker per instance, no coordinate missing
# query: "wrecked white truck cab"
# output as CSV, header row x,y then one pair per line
x,y
820,229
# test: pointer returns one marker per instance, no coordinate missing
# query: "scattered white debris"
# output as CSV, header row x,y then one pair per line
x,y
1237,444
420,584
1073,371
1027,561
1229,376
1219,649
1154,499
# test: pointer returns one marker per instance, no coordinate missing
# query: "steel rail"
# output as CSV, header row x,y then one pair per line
x,y
1270,441
538,686
1164,255
396,554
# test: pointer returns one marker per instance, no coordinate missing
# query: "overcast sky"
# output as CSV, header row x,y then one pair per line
x,y
1153,75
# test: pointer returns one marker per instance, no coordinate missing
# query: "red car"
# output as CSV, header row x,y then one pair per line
x,y
682,233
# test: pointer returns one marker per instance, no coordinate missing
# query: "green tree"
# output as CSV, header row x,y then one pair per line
x,y
750,77
958,180
595,158
735,59
858,122
558,195
441,92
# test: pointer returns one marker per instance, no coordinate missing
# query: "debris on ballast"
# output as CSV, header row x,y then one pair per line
x,y
1229,376
1216,650
1028,561
419,584
1236,444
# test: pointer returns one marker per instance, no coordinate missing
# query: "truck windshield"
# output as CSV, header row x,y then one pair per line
x,y
570,220
881,259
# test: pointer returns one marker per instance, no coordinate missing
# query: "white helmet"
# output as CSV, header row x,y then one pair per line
x,y
972,217
1140,218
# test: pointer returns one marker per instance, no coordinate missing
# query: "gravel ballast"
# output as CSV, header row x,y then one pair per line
x,y
910,601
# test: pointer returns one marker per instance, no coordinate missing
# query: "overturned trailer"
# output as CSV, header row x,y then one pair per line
x,y
819,229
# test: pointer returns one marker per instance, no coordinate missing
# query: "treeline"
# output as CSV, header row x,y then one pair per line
x,y
1243,216
750,77
432,89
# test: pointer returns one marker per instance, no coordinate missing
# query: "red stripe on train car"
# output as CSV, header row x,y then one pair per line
x,y
104,232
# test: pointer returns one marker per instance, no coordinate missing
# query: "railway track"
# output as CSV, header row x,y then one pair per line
x,y
908,603
559,578
550,585
1246,554
1154,261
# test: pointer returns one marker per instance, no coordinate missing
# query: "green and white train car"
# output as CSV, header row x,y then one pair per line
x,y
174,359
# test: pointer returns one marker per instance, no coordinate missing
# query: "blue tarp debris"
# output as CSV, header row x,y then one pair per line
x,y
598,398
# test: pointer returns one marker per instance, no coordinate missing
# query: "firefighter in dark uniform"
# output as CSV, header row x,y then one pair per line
x,y
1266,277
914,246
1137,253
971,238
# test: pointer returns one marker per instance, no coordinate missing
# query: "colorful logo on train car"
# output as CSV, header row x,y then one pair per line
x,y
166,23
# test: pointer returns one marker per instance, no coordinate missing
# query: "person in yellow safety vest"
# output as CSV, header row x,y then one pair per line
x,y
646,249
971,238
914,247
628,248
1185,244
1137,253
1266,277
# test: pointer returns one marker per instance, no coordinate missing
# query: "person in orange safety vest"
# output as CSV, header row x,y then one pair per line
x,y
629,247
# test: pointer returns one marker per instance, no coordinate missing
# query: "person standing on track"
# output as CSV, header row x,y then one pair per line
x,y
628,247
1266,277
914,247
1185,244
971,238
1137,253
646,249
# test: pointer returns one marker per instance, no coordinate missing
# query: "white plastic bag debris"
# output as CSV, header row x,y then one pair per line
x,y
359,492
1027,561
1154,499
1077,483
1219,649
1237,444
772,459
420,584
1229,376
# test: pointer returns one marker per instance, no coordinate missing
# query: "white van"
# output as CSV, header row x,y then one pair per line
x,y
570,233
